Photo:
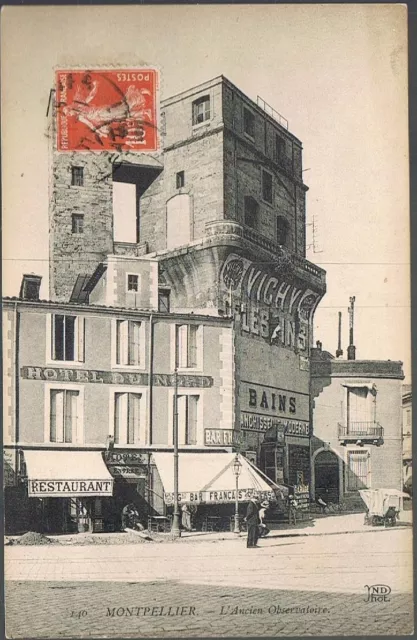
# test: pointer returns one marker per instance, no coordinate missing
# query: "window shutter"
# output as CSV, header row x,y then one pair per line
x,y
182,356
80,338
192,346
182,417
134,342
192,420
133,435
123,330
57,398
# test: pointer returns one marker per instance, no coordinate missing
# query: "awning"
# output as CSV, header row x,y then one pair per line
x,y
209,478
53,474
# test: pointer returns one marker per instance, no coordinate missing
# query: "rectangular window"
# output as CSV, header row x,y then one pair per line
x,y
180,179
128,342
360,410
64,408
77,223
201,110
67,338
267,186
132,282
358,468
127,418
279,149
163,300
249,123
186,346
187,418
77,176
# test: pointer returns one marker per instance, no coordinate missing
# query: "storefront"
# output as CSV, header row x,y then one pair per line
x,y
207,484
130,472
69,491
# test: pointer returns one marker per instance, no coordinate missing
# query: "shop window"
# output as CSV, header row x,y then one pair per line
x,y
164,300
186,346
67,334
188,418
180,179
249,123
358,469
279,148
282,230
267,186
129,340
77,223
64,411
251,212
127,418
133,282
77,176
201,110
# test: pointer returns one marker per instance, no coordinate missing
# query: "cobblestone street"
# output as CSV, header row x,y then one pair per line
x,y
288,587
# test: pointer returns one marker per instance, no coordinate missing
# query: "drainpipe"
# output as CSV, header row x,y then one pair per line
x,y
16,387
150,379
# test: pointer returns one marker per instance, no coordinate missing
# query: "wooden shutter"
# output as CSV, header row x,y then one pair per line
x,y
80,338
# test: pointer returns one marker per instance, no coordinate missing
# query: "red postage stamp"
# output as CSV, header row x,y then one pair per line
x,y
107,110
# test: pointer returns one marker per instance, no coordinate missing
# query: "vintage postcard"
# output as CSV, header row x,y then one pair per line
x,y
206,321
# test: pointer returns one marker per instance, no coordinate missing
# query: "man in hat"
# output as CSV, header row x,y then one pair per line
x,y
252,520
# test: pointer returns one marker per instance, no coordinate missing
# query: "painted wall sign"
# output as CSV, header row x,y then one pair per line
x,y
278,311
128,471
113,377
222,437
67,488
218,497
272,401
261,424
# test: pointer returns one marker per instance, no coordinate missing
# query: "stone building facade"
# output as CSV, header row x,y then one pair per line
x,y
357,425
221,209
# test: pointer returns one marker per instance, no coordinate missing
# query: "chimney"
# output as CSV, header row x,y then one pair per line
x,y
351,350
319,345
339,351
29,289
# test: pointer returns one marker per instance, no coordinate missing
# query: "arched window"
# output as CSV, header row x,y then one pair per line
x,y
251,212
283,228
178,221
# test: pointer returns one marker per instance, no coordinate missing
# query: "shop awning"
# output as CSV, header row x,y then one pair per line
x,y
209,478
60,474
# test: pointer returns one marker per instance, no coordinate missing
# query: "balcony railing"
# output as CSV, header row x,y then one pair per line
x,y
361,431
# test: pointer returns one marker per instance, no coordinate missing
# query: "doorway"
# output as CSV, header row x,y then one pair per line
x,y
327,481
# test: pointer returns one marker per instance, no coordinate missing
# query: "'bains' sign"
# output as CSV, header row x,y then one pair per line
x,y
107,110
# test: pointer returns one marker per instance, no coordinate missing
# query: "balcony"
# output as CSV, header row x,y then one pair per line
x,y
239,233
361,433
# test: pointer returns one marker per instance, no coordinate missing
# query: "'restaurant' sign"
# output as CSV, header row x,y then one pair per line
x,y
67,488
218,497
55,374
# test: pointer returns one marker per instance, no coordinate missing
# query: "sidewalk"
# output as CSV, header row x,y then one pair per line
x,y
317,526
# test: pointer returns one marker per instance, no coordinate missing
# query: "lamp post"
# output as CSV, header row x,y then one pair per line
x,y
237,467
175,530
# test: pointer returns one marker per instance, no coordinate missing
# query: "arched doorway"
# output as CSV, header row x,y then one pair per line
x,y
326,476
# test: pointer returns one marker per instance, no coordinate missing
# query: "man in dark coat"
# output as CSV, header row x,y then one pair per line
x,y
252,520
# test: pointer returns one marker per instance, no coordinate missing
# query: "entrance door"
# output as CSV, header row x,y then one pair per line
x,y
326,471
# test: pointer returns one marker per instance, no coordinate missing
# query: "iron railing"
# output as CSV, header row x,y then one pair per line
x,y
360,430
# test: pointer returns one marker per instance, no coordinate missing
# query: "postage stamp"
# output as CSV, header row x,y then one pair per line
x,y
107,110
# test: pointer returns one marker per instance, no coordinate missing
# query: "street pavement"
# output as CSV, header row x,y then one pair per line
x,y
294,586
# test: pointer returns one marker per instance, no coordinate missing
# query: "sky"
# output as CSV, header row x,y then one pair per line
x,y
337,73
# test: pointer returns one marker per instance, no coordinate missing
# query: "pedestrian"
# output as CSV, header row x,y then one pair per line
x,y
252,520
130,516
263,529
293,504
185,517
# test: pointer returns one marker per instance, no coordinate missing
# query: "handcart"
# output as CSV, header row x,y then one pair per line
x,y
383,506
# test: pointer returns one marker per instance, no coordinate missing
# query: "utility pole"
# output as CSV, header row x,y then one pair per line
x,y
175,530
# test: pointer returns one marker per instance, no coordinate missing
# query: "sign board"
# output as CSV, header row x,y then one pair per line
x,y
222,437
218,497
274,401
67,488
302,496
